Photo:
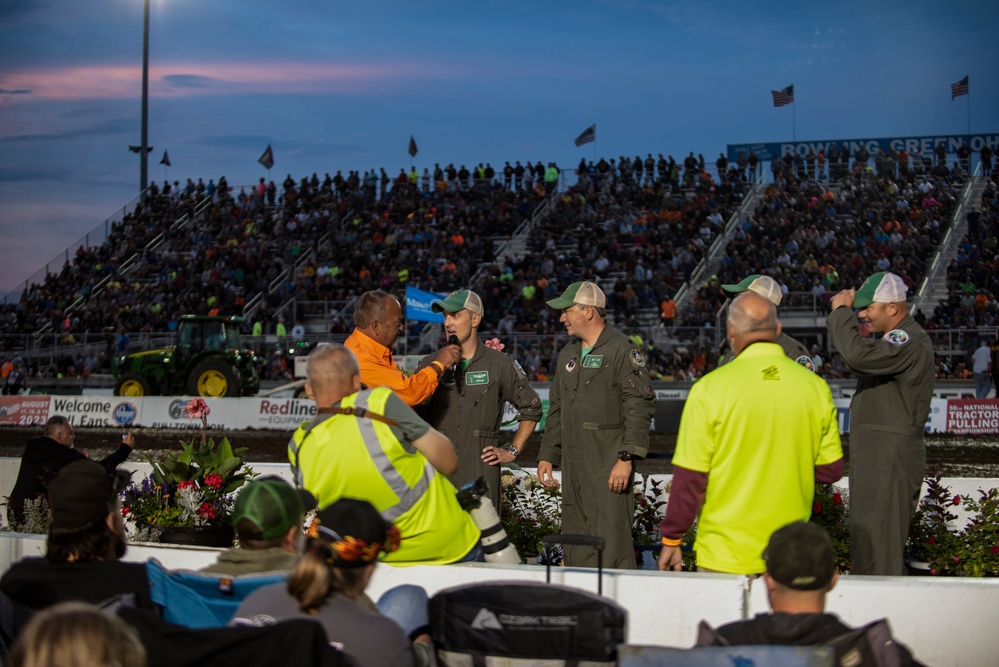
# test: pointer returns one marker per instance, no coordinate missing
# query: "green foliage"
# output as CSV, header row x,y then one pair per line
x,y
196,464
529,511
831,510
931,539
979,548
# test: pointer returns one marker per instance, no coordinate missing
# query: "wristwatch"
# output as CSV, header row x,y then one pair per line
x,y
512,449
626,456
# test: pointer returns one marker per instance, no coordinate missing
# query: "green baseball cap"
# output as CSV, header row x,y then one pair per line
x,y
583,293
765,286
462,299
272,505
883,287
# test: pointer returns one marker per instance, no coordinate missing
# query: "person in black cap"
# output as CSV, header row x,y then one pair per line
x,y
44,456
345,543
268,516
801,571
85,545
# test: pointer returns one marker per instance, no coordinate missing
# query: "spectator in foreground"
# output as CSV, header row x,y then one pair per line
x,y
76,634
268,516
345,542
801,571
85,545
44,456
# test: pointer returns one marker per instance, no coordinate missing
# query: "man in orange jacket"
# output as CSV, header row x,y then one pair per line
x,y
378,322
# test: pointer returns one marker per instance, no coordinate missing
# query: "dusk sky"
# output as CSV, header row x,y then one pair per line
x,y
333,85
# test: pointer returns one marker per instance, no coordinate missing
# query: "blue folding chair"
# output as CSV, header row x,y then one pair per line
x,y
200,600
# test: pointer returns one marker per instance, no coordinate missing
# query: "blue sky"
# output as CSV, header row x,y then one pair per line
x,y
333,85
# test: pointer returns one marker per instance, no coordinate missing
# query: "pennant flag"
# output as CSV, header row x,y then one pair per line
x,y
959,88
783,96
267,159
418,305
412,146
588,135
166,159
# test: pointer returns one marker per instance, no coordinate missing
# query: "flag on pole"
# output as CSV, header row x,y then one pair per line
x,y
959,88
267,159
412,146
783,96
588,135
166,159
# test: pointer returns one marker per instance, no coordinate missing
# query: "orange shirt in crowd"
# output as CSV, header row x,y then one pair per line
x,y
378,369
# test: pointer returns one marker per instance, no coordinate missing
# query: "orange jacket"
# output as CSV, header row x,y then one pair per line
x,y
379,370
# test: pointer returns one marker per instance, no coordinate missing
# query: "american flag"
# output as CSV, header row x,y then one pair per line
x,y
959,88
587,135
783,96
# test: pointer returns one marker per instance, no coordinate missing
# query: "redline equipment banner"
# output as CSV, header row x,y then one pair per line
x,y
24,410
972,416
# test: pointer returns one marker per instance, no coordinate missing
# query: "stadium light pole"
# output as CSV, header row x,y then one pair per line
x,y
144,148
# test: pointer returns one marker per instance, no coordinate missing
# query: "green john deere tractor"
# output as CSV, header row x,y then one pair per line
x,y
207,360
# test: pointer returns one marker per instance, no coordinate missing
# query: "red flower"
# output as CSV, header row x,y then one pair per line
x,y
126,510
930,540
186,484
817,508
837,498
995,549
213,480
957,559
957,500
207,509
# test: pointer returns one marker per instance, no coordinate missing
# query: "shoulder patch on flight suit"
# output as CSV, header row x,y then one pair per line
x,y
571,365
806,361
476,377
897,337
637,358
520,369
593,361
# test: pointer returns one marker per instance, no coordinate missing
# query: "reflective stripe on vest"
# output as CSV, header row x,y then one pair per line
x,y
408,496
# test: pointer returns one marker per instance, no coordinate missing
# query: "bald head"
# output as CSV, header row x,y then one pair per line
x,y
332,373
751,319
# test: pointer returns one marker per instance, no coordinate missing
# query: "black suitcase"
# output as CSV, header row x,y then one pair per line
x,y
517,623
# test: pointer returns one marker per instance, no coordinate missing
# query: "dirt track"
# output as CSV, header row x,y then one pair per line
x,y
957,456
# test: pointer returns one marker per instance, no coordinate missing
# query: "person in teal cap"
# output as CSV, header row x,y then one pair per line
x,y
601,405
468,404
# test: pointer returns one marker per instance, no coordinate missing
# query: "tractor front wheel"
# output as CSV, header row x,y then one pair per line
x,y
213,378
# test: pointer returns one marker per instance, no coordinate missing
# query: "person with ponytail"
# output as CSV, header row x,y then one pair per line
x,y
345,541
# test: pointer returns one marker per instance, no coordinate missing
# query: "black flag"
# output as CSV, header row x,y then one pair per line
x,y
412,146
267,159
166,159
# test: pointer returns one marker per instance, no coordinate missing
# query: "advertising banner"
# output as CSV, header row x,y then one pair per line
x,y
766,151
24,410
98,411
972,416
418,305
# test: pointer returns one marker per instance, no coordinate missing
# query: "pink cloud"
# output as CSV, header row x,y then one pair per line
x,y
110,81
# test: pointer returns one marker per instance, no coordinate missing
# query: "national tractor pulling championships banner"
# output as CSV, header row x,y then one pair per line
x,y
957,416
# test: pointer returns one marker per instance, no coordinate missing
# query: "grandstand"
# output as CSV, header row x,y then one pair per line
x,y
305,250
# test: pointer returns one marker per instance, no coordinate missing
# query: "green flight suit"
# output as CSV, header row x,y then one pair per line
x,y
469,411
599,406
887,419
792,348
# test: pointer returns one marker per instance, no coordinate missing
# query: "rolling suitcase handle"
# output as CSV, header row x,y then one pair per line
x,y
582,540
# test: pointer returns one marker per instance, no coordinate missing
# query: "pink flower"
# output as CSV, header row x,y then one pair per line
x,y
957,559
196,408
495,344
213,480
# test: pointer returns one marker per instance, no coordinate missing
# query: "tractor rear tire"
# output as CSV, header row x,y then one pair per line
x,y
131,384
213,378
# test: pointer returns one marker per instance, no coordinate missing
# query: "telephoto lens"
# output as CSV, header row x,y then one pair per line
x,y
495,542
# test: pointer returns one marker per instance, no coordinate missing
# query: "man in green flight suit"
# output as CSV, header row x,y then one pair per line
x,y
467,405
768,288
887,418
601,406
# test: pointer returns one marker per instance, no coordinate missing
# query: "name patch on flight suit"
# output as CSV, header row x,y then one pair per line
x,y
476,377
593,361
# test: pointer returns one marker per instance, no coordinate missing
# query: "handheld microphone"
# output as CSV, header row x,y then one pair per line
x,y
453,340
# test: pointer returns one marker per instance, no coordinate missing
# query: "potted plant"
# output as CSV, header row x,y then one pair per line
x,y
529,511
831,510
188,498
978,553
932,547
